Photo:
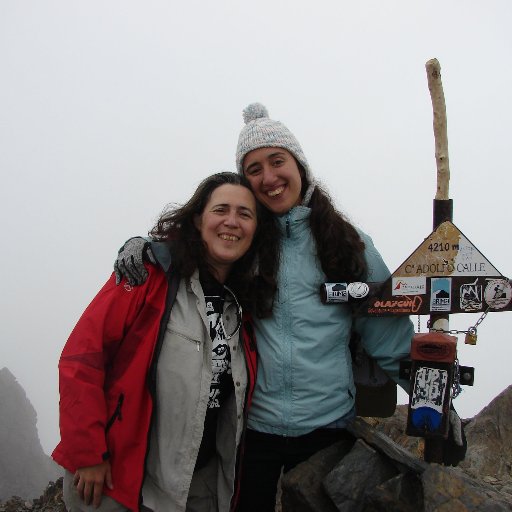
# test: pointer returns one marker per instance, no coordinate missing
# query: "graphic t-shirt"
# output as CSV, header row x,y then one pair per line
x,y
222,382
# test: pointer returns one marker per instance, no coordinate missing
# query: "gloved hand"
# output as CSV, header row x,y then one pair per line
x,y
130,261
456,445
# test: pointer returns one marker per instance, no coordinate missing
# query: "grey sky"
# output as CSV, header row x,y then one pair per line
x,y
111,109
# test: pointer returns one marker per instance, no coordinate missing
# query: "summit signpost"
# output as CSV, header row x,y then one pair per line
x,y
446,274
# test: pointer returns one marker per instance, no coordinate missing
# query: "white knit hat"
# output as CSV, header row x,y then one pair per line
x,y
262,132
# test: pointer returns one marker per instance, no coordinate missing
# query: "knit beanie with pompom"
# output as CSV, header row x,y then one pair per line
x,y
262,132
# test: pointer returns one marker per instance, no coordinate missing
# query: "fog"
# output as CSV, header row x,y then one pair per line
x,y
111,109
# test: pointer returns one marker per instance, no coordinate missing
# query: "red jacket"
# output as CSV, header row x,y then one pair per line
x,y
103,378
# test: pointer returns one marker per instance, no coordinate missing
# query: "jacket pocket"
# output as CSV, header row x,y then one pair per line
x,y
117,414
186,338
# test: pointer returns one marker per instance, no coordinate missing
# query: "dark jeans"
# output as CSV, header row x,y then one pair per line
x,y
265,455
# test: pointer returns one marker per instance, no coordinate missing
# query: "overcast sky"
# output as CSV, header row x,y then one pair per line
x,y
109,109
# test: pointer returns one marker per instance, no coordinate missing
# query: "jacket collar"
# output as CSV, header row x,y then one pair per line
x,y
295,221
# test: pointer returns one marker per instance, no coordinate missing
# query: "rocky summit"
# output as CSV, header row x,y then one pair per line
x,y
49,501
382,469
25,469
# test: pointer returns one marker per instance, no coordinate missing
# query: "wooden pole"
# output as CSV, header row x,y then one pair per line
x,y
443,206
435,87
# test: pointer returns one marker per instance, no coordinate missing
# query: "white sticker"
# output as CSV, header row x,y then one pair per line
x,y
336,292
429,388
409,285
358,290
498,293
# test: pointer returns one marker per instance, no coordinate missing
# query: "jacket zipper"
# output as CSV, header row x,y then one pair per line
x,y
288,233
238,467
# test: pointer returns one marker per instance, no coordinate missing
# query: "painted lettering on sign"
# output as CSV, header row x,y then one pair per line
x,y
446,252
442,247
445,268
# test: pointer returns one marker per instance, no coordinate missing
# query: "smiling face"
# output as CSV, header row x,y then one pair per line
x,y
227,226
274,177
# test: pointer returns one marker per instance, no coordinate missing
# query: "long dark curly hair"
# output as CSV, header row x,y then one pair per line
x,y
338,244
252,277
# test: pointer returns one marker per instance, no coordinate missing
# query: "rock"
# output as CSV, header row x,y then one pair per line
x,y
403,493
49,501
362,429
357,473
394,428
489,436
482,482
450,490
25,469
302,489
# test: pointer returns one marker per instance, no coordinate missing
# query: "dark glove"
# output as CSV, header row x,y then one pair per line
x,y
456,445
130,261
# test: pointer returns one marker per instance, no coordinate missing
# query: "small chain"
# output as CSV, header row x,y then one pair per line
x,y
419,323
471,330
481,319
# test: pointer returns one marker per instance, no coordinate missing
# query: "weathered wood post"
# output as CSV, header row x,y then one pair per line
x,y
442,207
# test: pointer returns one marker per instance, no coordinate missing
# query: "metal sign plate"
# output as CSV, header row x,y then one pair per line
x,y
446,252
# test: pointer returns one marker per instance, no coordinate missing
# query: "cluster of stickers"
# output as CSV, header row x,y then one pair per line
x,y
446,273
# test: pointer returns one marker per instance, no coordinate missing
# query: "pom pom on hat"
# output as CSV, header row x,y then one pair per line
x,y
254,111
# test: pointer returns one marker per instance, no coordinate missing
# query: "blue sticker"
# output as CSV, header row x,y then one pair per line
x,y
425,418
441,294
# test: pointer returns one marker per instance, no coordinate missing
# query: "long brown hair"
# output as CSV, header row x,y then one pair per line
x,y
339,246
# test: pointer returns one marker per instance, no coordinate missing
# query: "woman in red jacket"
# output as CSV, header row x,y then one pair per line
x,y
153,402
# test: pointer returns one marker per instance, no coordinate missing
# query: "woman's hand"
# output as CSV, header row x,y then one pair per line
x,y
89,482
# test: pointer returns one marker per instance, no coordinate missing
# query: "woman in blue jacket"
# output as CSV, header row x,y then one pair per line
x,y
304,394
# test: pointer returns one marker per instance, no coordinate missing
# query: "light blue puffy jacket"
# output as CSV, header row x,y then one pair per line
x,y
304,370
